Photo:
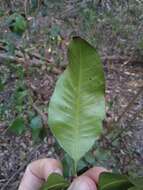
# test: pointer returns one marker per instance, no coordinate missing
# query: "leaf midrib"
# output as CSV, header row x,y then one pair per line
x,y
58,185
77,104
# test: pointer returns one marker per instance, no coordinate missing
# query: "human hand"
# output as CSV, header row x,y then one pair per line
x,y
38,171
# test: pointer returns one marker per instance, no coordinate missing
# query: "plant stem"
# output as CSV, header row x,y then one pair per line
x,y
75,168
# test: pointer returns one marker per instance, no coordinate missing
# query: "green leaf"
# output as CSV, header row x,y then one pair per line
x,y
137,181
55,182
36,126
20,96
77,106
17,126
10,47
82,167
136,188
112,181
17,23
89,158
2,12
68,166
1,85
55,31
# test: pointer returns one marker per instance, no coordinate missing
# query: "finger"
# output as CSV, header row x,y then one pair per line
x,y
37,172
83,183
94,173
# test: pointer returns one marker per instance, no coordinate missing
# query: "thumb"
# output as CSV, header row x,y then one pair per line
x,y
83,183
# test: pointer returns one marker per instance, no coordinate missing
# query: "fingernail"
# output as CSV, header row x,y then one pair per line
x,y
79,186
58,171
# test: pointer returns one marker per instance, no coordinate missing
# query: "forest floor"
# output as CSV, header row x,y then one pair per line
x,y
124,95
123,82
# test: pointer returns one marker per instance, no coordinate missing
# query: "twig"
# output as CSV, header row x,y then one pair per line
x,y
127,128
125,59
25,7
130,104
139,30
124,112
43,116
8,58
37,56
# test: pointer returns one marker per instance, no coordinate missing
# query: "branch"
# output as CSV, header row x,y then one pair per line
x,y
130,104
127,128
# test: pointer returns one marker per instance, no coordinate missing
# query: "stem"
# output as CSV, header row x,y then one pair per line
x,y
75,168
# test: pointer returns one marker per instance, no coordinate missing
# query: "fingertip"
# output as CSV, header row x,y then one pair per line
x,y
44,167
94,173
83,183
38,171
30,181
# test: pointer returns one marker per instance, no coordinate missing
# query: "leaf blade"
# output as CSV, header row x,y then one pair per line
x,y
17,126
137,181
112,181
36,128
55,182
77,106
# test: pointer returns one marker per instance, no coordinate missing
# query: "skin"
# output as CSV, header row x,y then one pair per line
x,y
38,171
